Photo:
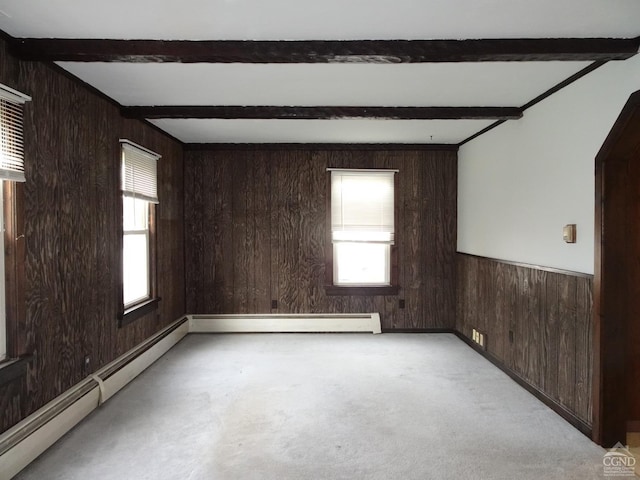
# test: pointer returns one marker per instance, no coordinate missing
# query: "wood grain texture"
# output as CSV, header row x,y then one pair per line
x,y
326,51
320,112
549,315
616,375
71,205
277,215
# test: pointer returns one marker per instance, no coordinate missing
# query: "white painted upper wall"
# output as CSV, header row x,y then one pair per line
x,y
520,183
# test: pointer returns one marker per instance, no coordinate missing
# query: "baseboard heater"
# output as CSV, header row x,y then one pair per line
x,y
285,323
24,442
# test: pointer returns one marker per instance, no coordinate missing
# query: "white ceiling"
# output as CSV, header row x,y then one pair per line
x,y
418,84
319,19
193,130
446,84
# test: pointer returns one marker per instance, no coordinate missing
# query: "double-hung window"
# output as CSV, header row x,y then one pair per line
x,y
362,227
139,196
11,170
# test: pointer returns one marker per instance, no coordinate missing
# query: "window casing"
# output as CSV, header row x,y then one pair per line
x,y
11,170
3,310
11,134
139,196
362,231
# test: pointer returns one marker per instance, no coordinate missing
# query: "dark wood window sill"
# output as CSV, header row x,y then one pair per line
x,y
361,291
13,369
139,310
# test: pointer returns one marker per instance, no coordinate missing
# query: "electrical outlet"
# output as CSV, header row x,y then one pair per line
x,y
87,363
274,304
479,338
401,303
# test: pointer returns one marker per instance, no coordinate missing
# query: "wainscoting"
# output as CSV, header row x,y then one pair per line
x,y
538,326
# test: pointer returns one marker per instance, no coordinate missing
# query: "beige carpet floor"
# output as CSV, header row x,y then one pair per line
x,y
321,406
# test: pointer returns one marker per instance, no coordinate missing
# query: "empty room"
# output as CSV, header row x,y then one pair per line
x,y
319,240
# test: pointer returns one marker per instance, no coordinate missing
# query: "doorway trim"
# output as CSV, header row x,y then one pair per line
x,y
609,331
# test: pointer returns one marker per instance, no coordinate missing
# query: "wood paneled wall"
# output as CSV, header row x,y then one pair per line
x,y
72,212
255,232
538,324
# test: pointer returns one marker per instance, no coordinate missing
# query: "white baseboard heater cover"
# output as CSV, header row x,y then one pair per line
x,y
289,323
24,442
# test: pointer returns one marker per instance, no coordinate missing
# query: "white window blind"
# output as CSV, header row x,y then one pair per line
x,y
362,206
139,172
11,134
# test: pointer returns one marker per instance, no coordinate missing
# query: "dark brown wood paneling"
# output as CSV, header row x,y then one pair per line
x,y
72,235
584,349
537,323
616,378
550,339
278,219
239,249
567,336
261,217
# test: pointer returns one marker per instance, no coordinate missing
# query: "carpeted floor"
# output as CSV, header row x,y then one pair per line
x,y
633,440
321,406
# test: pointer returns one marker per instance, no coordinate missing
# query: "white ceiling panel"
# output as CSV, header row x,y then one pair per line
x,y
439,84
320,131
490,84
319,20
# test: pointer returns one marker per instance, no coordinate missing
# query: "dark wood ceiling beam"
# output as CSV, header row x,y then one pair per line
x,y
323,113
322,146
556,88
319,51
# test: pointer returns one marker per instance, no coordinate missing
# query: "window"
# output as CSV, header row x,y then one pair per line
x,y
11,170
3,322
362,227
139,196
135,251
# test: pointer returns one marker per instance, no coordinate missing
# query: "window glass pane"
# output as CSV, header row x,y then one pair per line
x,y
135,259
134,213
361,263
